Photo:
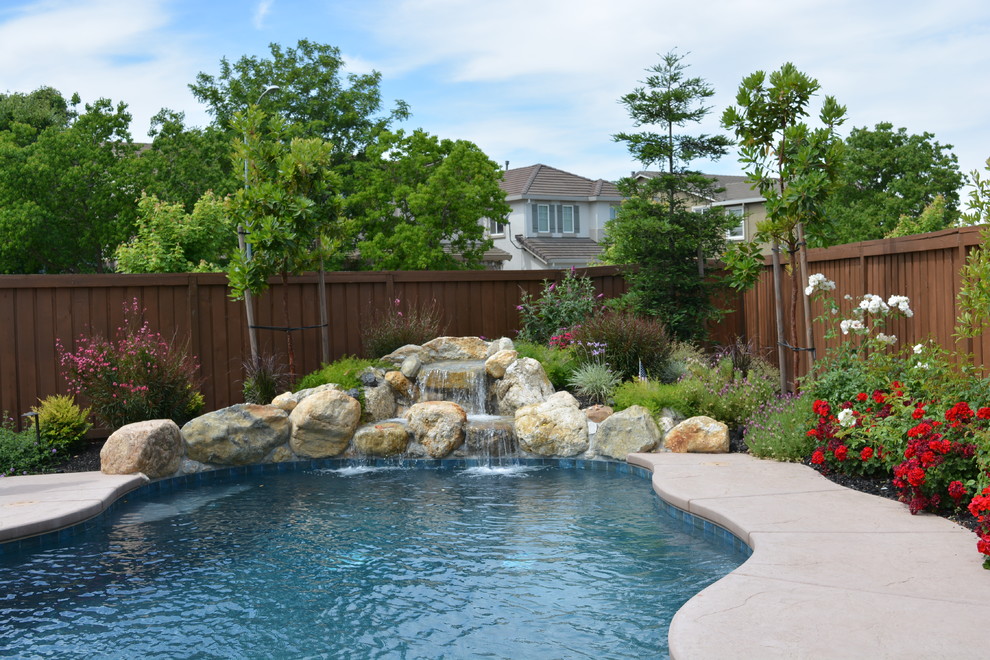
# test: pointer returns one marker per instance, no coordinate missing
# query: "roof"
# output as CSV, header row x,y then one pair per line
x,y
737,187
549,182
562,251
491,254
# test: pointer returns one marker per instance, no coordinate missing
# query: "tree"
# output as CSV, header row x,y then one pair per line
x,y
43,108
421,203
794,166
68,197
312,97
169,240
888,174
935,216
184,163
655,228
289,183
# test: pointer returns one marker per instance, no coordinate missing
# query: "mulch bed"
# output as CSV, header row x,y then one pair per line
x,y
86,459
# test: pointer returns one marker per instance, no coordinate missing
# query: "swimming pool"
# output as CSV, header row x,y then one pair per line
x,y
534,561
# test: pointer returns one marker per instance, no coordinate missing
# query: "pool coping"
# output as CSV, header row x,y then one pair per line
x,y
833,573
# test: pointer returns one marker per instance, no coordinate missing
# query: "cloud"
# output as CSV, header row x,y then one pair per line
x,y
260,13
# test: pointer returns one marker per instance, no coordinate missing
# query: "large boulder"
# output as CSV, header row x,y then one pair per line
x,y
497,363
401,385
626,432
153,447
239,435
500,344
702,435
524,383
323,424
385,439
289,400
555,427
454,348
438,426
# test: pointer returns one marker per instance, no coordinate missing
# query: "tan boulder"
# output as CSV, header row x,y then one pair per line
x,y
496,365
598,413
238,435
454,348
287,401
524,383
438,426
626,432
700,435
323,424
385,439
555,427
153,447
399,383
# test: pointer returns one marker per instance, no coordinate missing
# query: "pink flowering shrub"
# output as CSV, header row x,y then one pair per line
x,y
400,324
137,375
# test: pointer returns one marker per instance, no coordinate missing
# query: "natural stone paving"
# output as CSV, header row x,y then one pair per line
x,y
834,573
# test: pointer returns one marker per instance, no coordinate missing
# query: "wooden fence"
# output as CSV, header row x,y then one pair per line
x,y
35,310
925,268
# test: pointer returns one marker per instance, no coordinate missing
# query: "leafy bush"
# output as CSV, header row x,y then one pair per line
x,y
594,381
775,429
393,328
653,396
345,372
629,341
137,376
558,363
560,307
723,393
264,379
63,424
21,453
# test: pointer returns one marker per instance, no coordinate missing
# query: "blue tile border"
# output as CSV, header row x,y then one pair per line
x,y
688,521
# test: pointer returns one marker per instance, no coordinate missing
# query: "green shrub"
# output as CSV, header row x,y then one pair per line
x,y
682,356
137,376
264,379
21,453
629,341
653,395
594,381
721,392
345,372
399,325
63,424
777,429
558,363
561,306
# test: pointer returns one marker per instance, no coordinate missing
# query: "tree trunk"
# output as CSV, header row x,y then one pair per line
x,y
778,299
809,332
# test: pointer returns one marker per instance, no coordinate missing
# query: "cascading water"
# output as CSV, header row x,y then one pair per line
x,y
465,383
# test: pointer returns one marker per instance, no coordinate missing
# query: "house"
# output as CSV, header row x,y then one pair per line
x,y
738,197
557,219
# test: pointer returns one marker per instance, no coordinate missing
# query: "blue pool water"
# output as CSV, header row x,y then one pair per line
x,y
529,562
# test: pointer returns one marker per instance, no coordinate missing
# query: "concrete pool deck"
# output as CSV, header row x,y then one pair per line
x,y
834,573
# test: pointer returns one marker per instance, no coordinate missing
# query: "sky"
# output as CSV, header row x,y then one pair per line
x,y
528,81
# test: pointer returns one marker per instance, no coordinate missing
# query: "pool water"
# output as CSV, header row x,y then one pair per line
x,y
524,562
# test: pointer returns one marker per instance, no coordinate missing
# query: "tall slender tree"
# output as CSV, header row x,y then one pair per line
x,y
655,229
794,166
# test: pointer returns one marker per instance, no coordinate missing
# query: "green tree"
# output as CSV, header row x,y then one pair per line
x,y
29,114
888,174
973,299
169,240
794,166
69,196
183,163
314,98
933,217
291,191
421,203
655,229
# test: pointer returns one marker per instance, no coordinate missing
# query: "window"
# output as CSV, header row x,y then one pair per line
x,y
737,232
613,211
496,228
567,219
543,218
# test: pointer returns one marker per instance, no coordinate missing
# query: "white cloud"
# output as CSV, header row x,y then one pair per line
x,y
260,13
